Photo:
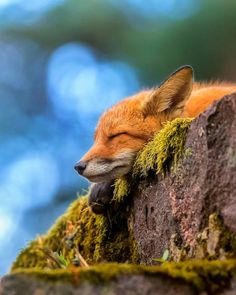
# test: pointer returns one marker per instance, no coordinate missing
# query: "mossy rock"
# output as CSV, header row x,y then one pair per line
x,y
164,150
199,276
80,230
215,241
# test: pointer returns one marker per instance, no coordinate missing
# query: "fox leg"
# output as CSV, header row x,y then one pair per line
x,y
100,196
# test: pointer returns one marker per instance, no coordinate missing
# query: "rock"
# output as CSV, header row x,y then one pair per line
x,y
130,285
188,278
175,209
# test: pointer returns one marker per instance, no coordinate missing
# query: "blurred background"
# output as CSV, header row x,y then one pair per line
x,y
62,63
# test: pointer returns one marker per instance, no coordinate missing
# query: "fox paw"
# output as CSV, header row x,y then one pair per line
x,y
100,196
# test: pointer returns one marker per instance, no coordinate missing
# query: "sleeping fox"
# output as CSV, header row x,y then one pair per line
x,y
124,128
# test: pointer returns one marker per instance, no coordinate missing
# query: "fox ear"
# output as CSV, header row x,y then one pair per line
x,y
171,95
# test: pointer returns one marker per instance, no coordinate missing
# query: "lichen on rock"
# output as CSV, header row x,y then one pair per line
x,y
216,241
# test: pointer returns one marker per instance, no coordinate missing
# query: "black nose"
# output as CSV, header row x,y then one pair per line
x,y
80,167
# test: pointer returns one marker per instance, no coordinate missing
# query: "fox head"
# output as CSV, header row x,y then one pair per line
x,y
124,128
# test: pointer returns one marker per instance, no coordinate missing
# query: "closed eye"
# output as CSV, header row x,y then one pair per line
x,y
117,134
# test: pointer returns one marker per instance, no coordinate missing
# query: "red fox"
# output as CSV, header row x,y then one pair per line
x,y
124,128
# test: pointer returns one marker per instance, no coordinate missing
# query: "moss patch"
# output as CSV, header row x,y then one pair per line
x,y
80,229
121,190
203,274
208,276
166,148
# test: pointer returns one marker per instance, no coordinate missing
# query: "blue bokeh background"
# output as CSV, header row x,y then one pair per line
x,y
62,63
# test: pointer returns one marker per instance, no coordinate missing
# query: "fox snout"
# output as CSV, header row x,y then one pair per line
x,y
80,167
101,170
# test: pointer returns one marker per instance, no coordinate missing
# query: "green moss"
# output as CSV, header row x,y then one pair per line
x,y
121,190
80,229
166,147
203,275
101,273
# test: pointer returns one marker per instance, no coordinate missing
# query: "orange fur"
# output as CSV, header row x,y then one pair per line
x,y
127,126
204,94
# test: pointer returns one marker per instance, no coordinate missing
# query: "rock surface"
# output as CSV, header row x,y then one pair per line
x,y
189,278
126,285
172,212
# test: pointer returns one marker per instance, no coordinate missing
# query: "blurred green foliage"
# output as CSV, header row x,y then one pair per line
x,y
154,45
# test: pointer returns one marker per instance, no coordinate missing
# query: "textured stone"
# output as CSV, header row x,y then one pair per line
x,y
176,208
125,284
